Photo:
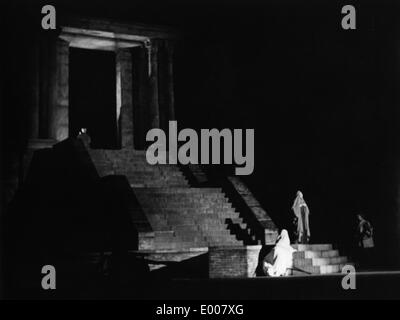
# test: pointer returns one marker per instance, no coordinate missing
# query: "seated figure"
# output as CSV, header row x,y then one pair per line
x,y
280,259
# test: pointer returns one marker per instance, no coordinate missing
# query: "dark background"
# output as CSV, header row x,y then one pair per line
x,y
323,101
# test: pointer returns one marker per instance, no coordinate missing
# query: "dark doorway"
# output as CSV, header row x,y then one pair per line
x,y
92,95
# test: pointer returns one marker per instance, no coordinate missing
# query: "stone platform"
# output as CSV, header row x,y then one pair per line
x,y
242,261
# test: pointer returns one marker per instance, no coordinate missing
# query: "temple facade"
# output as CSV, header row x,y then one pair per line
x,y
143,62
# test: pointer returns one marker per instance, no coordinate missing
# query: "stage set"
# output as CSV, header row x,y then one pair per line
x,y
79,193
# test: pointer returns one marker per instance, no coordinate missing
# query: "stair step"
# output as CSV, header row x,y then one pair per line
x,y
319,261
326,269
316,254
180,190
312,247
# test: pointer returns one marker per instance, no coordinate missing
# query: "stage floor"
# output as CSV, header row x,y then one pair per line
x,y
369,285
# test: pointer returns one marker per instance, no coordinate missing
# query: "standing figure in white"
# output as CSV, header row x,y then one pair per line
x,y
302,212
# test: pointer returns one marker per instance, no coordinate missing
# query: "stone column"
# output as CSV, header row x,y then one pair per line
x,y
124,97
162,86
154,116
58,85
170,80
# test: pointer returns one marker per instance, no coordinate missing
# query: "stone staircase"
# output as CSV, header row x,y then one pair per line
x,y
317,259
180,221
188,217
181,217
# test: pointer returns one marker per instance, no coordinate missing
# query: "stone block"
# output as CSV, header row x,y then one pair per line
x,y
233,262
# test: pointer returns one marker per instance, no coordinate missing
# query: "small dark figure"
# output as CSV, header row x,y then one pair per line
x,y
365,240
302,212
84,136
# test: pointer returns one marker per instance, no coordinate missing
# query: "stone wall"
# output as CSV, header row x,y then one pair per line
x,y
233,262
124,91
60,93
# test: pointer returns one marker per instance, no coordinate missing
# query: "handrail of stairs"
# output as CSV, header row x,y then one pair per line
x,y
239,195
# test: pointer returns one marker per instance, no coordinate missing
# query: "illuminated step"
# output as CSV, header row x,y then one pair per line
x,y
316,254
312,247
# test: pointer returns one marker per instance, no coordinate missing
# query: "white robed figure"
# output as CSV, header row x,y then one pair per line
x,y
301,211
280,259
